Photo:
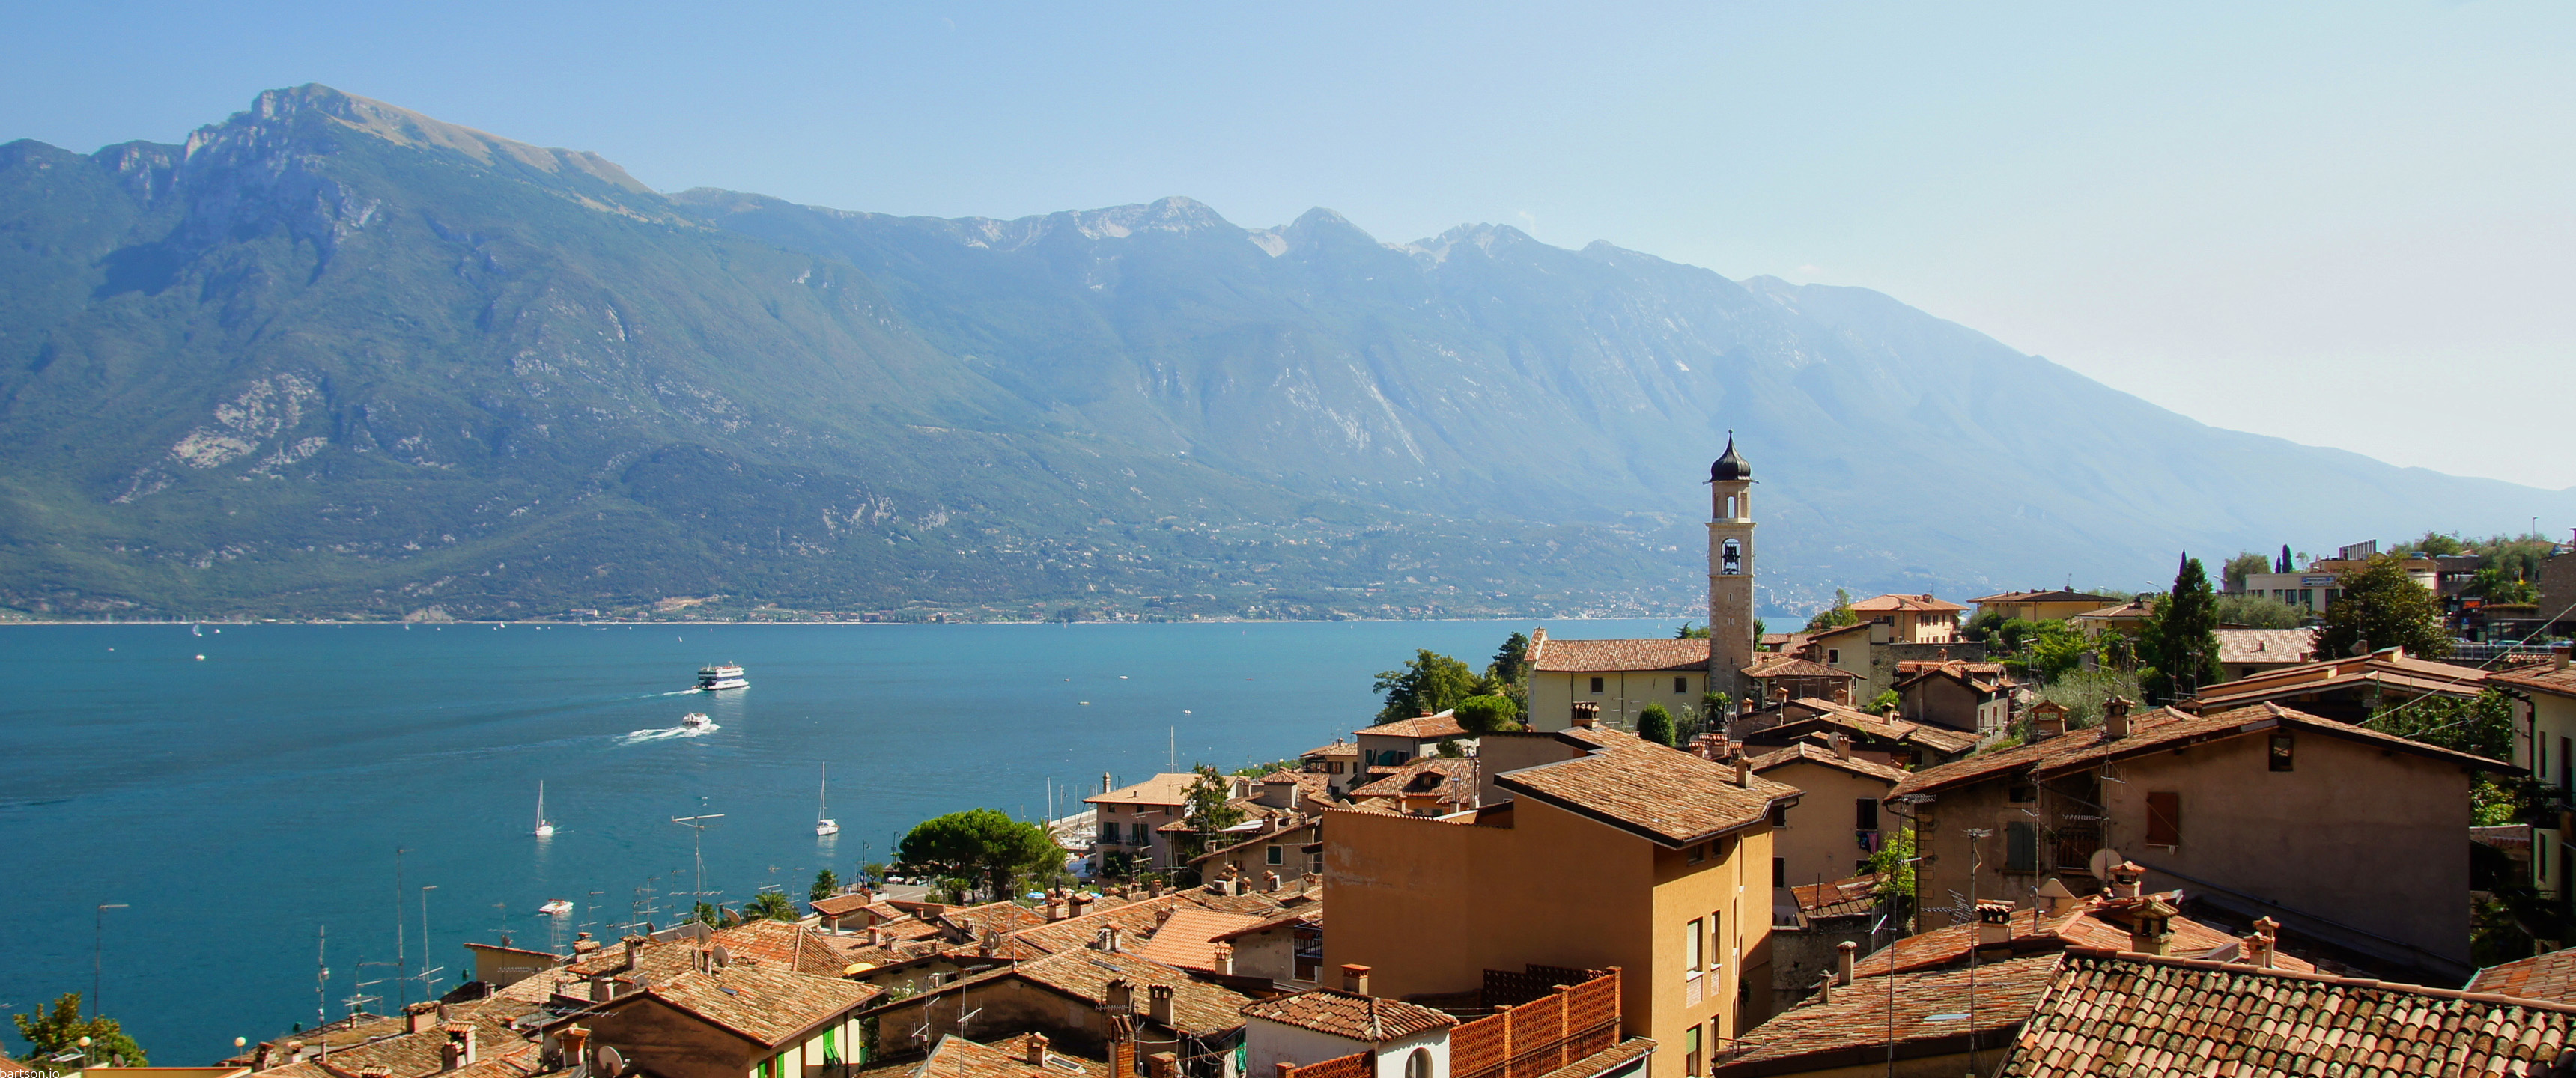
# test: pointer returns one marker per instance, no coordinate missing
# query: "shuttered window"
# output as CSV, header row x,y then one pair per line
x,y
2021,848
1865,813
2164,818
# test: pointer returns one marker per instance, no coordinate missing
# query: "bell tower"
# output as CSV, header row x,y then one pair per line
x,y
1730,573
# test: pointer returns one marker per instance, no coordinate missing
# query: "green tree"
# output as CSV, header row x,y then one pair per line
x,y
2180,641
1893,864
2381,607
1209,810
2434,544
711,915
979,843
1511,661
769,906
1430,682
2497,584
2518,557
1451,750
2259,612
1655,724
1689,631
1835,616
1489,714
1887,700
2480,726
826,884
2244,565
59,1030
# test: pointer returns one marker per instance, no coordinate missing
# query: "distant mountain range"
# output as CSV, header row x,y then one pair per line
x,y
332,358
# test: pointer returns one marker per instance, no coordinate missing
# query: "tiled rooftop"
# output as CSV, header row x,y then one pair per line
x,y
1913,1007
2060,595
1921,604
1187,938
2131,1014
1794,667
1350,1016
784,945
2161,729
1421,728
2392,668
1611,656
1812,753
2550,976
1664,794
1199,1009
764,1003
2092,921
1336,749
2544,678
1421,777
1830,715
2267,645
1163,789
1852,897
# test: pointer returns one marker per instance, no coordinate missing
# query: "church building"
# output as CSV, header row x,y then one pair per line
x,y
1621,677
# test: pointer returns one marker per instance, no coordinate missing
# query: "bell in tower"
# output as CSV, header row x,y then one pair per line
x,y
1730,573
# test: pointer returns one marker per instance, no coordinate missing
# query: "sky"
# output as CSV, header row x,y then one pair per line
x,y
2344,224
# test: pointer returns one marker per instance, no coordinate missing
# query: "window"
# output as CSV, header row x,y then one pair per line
x,y
1418,1064
1730,507
2164,818
1109,831
1690,1051
1596,685
1333,768
1865,813
1730,558
1833,655
2023,793
1315,862
1275,855
1698,853
1779,872
1690,950
1310,953
1716,940
2281,755
1779,814
2021,847
1681,685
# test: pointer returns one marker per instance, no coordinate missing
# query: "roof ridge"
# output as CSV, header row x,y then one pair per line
x,y
2322,978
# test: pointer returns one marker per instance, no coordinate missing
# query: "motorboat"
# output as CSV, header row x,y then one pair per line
x,y
720,677
697,720
561,907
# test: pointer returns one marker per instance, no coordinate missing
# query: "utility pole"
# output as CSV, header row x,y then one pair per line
x,y
400,965
321,976
97,956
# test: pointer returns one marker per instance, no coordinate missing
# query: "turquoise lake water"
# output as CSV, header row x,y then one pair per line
x,y
238,802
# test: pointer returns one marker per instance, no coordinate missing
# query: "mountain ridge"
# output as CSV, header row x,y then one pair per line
x,y
333,357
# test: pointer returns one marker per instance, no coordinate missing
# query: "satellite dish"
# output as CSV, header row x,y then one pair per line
x,y
2104,860
609,1062
723,956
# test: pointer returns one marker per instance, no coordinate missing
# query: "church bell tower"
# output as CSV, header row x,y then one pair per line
x,y
1730,573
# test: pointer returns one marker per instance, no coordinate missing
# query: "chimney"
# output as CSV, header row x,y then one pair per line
x,y
2047,720
1586,714
1225,959
2152,933
602,989
1163,1065
1158,1004
1744,772
1355,980
1945,655
2261,948
1994,923
876,936
1077,904
1165,914
575,1041
1841,743
1122,1051
2126,879
1843,961
1421,712
1842,694
1824,989
1270,881
634,944
419,1016
1037,1049
459,1049
1108,940
1054,907
2115,718
1122,996
2558,654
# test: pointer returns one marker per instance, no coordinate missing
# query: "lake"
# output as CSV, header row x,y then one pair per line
x,y
240,803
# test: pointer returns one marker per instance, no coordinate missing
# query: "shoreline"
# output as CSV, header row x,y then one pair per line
x,y
542,623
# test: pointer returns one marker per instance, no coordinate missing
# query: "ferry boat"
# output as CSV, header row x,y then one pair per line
x,y
696,720
716,678
561,907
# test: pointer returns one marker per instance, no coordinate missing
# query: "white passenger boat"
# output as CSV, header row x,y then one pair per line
x,y
561,907
720,677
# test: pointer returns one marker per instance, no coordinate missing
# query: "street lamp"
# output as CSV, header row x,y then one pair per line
x,y
97,961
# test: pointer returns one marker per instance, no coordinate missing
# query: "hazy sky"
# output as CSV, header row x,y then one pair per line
x,y
2346,224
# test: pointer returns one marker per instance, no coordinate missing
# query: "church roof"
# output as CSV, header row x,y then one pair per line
x,y
1729,466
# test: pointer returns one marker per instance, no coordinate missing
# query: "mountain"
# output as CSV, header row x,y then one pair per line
x,y
335,358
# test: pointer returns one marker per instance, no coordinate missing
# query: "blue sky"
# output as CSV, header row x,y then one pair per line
x,y
2345,224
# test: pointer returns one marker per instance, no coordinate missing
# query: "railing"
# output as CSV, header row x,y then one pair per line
x,y
2075,844
1529,1039
1355,1065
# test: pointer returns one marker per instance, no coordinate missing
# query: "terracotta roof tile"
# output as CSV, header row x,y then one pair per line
x,y
1916,1006
1830,715
1792,666
2060,595
1003,917
957,1057
1164,789
1420,777
2093,921
1349,1015
1922,604
839,905
2560,682
1199,1009
2390,668
1810,752
1312,917
2549,976
2267,645
2163,728
763,1003
1663,794
2110,1013
1852,897
1421,728
1187,939
1605,656
783,944
1336,749
1605,1060
1136,920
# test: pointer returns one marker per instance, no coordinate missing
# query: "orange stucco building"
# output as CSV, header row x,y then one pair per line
x,y
1620,853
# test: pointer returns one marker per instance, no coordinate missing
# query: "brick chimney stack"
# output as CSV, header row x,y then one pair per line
x,y
2115,718
2127,879
1163,1065
1587,714
575,1042
2263,947
1994,923
1743,772
420,1016
1225,959
1077,904
1843,953
459,1049
1158,1003
2152,932
1122,1039
2558,655
1355,980
1037,1049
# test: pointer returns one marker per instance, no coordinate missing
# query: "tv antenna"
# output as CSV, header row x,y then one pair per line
x,y
697,826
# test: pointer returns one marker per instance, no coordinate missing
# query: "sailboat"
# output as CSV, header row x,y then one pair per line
x,y
545,829
824,824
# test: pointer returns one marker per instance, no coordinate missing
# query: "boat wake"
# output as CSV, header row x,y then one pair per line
x,y
639,737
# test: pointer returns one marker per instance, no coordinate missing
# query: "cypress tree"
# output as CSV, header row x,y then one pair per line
x,y
2181,637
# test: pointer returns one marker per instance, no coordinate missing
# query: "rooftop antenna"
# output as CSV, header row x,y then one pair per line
x,y
321,975
697,826
400,963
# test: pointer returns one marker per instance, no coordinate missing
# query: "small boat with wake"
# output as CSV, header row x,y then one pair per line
x,y
697,720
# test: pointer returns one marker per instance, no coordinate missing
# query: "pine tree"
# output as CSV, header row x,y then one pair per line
x,y
2180,642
